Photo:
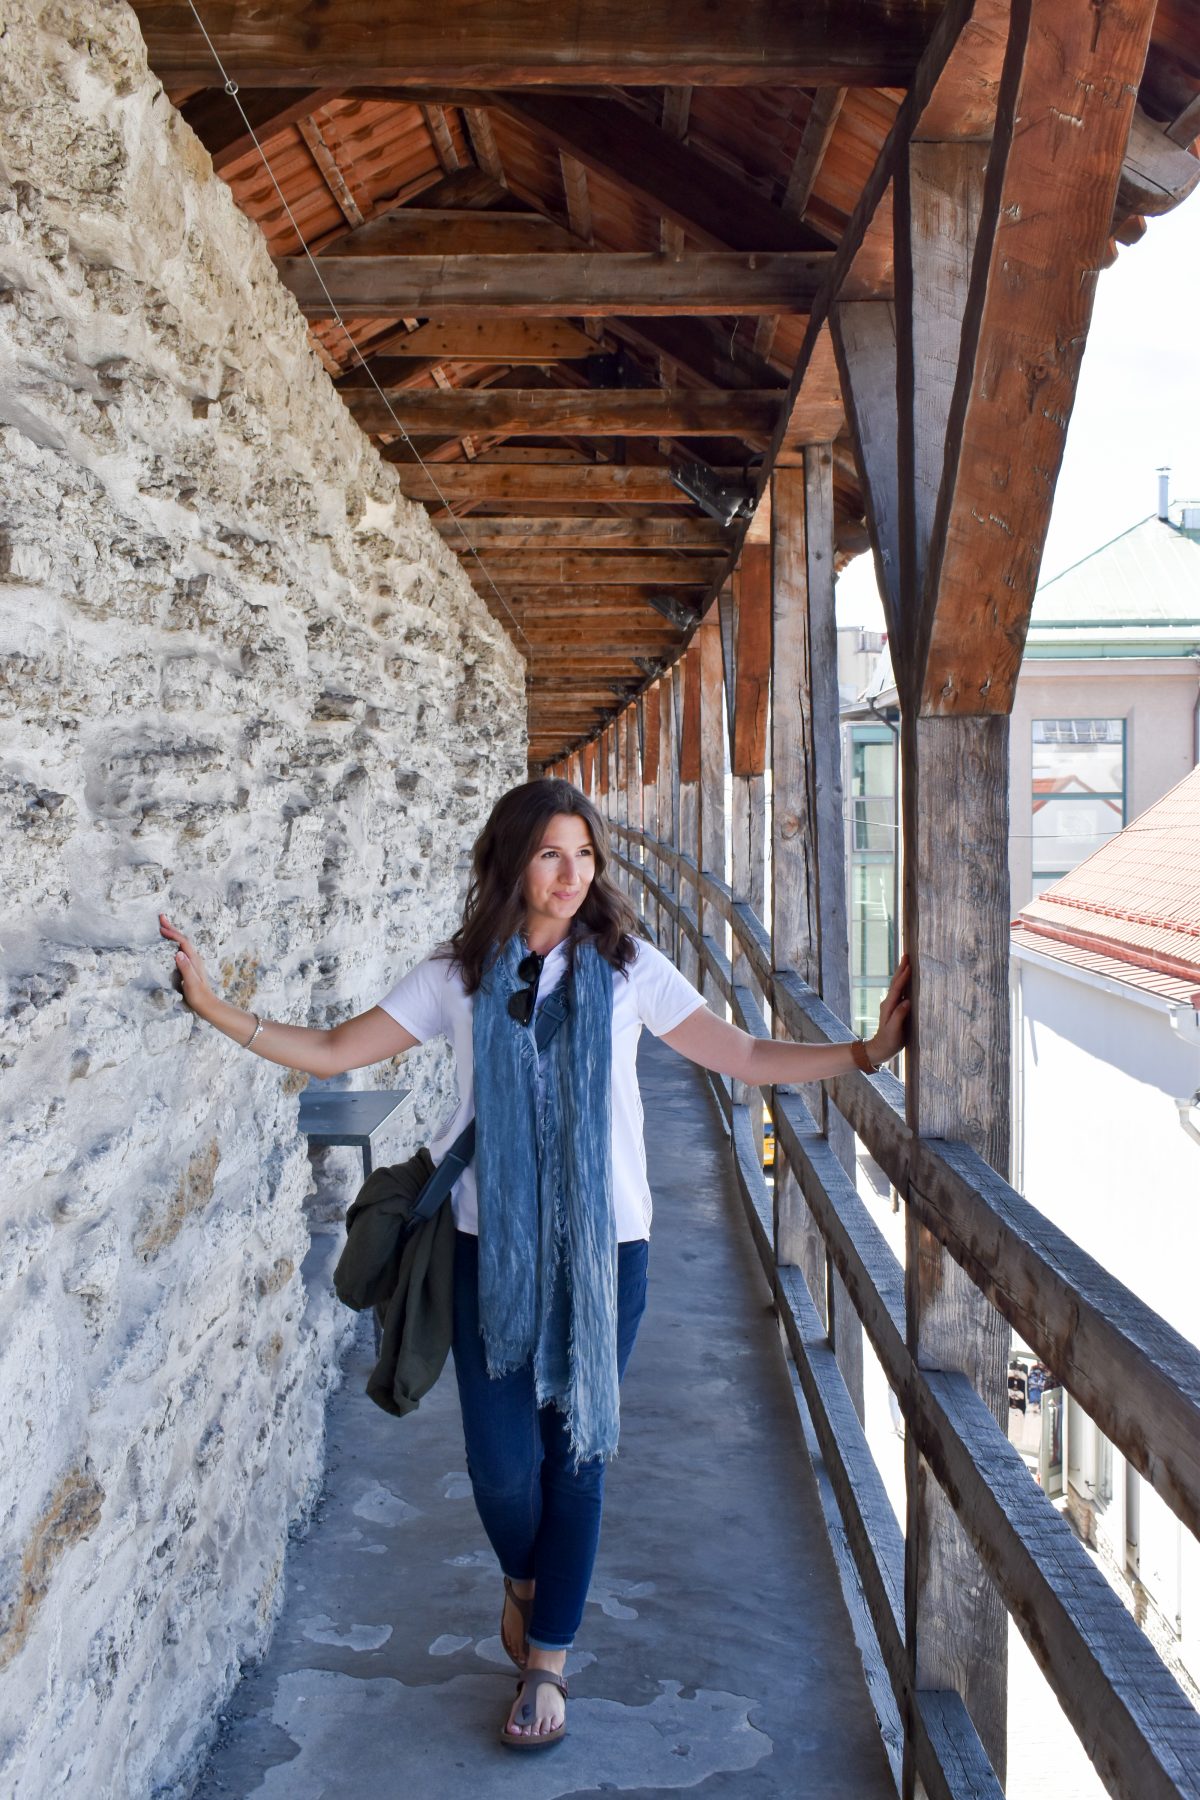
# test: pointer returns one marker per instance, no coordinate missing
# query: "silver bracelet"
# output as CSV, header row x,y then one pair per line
x,y
258,1025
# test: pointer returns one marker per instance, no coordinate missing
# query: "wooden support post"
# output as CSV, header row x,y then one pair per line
x,y
711,841
668,789
807,843
587,770
632,799
954,784
649,704
955,799
749,676
688,840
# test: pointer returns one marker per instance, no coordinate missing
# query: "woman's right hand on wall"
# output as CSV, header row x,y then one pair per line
x,y
197,988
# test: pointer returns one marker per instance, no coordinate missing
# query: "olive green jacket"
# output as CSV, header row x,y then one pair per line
x,y
409,1283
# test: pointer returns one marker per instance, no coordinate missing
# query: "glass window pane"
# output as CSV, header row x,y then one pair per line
x,y
874,822
1065,831
1078,756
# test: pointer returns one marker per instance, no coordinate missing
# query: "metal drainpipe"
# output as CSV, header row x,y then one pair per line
x,y
1186,1109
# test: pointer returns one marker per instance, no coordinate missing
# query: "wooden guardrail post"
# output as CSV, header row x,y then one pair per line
x,y
711,845
688,837
650,703
632,786
807,842
748,675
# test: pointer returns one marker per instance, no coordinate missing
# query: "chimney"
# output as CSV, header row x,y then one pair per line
x,y
1164,476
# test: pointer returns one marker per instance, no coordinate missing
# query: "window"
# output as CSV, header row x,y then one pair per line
x,y
1078,792
872,897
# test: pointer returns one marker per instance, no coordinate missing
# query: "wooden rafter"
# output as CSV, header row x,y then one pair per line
x,y
449,231
442,138
814,141
627,148
228,128
352,196
676,105
483,142
575,193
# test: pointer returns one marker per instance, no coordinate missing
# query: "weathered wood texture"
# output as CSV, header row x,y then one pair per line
x,y
1134,1720
715,207
588,412
712,777
517,533
1070,81
590,284
864,337
871,42
794,898
955,802
566,483
751,660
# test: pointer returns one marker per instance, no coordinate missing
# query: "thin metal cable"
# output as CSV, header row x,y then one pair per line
x,y
231,88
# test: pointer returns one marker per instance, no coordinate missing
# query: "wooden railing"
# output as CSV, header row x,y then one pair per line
x,y
1136,1377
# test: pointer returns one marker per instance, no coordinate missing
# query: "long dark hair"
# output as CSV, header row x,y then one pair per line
x,y
495,906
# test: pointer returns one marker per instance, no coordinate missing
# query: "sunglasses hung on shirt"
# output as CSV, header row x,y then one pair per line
x,y
522,1003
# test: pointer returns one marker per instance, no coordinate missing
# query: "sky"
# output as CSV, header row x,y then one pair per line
x,y
1137,406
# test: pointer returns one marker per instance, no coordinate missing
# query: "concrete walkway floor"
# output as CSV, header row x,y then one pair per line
x,y
716,1655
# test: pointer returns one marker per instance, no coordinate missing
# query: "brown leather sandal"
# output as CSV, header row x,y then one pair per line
x,y
530,1682
524,1608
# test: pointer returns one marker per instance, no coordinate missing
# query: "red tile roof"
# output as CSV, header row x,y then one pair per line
x,y
1132,910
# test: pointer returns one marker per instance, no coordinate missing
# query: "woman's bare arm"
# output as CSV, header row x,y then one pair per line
x,y
369,1037
714,1044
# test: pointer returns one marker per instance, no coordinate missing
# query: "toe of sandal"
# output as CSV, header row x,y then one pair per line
x,y
531,1680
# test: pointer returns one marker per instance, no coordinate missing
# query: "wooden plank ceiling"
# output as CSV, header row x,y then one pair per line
x,y
582,246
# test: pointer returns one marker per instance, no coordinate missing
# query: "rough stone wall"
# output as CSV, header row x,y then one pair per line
x,y
243,682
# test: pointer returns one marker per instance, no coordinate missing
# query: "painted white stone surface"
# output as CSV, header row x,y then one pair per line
x,y
241,681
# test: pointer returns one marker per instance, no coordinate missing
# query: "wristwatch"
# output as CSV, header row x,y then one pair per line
x,y
862,1057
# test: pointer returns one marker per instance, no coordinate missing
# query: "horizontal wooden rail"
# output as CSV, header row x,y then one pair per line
x,y
1131,1372
1125,1365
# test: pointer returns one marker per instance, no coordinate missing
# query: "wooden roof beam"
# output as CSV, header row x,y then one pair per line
x,y
649,42
590,412
556,567
541,286
565,482
516,532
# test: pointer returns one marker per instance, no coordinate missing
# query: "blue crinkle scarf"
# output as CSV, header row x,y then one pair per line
x,y
543,1171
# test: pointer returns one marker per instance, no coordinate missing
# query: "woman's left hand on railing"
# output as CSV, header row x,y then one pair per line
x,y
891,1033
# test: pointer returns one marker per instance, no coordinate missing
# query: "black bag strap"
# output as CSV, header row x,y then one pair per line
x,y
553,1011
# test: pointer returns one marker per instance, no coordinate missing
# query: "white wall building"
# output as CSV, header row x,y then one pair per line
x,y
1106,1141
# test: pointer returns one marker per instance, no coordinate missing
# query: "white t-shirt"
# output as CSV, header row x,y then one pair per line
x,y
430,1002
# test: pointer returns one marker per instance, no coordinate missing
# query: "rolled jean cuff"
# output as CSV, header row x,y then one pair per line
x,y
541,1644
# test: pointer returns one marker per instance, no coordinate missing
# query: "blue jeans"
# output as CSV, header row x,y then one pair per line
x,y
541,1514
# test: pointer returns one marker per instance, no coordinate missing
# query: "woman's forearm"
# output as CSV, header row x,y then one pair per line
x,y
291,1046
772,1063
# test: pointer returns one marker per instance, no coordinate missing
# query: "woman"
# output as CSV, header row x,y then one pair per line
x,y
553,1220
